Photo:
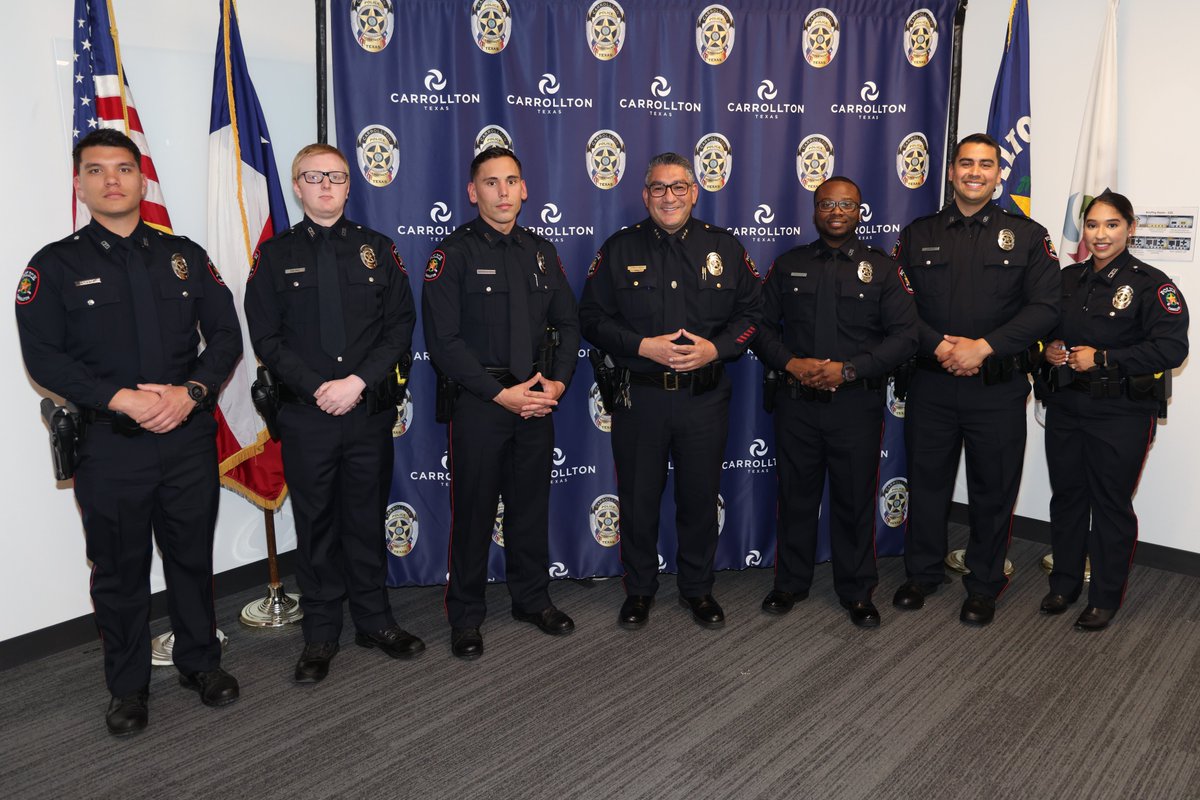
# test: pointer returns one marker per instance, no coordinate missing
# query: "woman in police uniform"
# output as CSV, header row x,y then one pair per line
x,y
1123,328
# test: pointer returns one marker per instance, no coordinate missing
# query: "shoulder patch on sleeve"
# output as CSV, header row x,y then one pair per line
x,y
27,287
433,270
896,250
1050,251
399,261
595,263
1168,297
212,270
750,265
254,264
904,281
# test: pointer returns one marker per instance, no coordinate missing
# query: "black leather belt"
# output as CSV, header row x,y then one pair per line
x,y
861,383
502,376
289,395
120,423
667,381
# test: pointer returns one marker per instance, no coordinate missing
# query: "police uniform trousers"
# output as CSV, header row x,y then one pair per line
x,y
942,414
126,486
691,430
339,474
1095,450
842,435
495,454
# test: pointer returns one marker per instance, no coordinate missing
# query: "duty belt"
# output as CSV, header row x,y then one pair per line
x,y
120,423
671,381
993,370
503,376
799,391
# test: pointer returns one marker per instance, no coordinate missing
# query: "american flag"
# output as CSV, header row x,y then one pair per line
x,y
103,100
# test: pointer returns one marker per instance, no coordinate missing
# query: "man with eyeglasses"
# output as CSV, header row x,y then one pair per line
x,y
492,291
987,287
671,299
838,316
330,314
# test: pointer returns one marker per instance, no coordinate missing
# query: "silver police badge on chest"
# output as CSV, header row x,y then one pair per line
x,y
714,265
1006,239
865,272
541,262
179,266
367,254
1123,298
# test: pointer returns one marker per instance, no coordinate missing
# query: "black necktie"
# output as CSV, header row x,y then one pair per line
x,y
825,337
674,305
329,298
145,315
520,346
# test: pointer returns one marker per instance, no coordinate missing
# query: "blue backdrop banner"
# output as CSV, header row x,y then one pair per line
x,y
767,98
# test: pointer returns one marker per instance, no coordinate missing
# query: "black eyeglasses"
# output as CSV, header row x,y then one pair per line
x,y
830,205
316,176
679,189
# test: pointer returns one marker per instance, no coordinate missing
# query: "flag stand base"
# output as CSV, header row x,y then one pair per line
x,y
277,610
1048,566
162,648
957,562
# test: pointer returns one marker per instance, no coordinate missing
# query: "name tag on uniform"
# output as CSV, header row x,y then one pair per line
x,y
636,268
88,282
485,272
294,270
931,249
799,274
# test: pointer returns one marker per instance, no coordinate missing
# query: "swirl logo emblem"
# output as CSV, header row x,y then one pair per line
x,y
869,92
605,29
550,214
864,212
920,37
720,514
912,160
491,25
400,529
558,570
821,36
372,22
660,86
549,84
763,215
713,161
767,90
559,458
492,136
893,502
758,448
440,212
604,519
378,154
600,416
605,158
714,34
814,161
434,81
753,558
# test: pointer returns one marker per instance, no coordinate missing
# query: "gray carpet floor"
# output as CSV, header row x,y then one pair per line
x,y
803,706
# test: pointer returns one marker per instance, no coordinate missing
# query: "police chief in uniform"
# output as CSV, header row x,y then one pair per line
x,y
671,299
838,317
108,319
492,288
330,314
1124,327
986,286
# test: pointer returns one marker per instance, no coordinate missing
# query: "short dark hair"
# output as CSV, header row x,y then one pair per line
x,y
838,179
105,137
976,138
671,160
1118,201
487,154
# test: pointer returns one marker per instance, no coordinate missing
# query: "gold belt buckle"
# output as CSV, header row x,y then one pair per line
x,y
671,381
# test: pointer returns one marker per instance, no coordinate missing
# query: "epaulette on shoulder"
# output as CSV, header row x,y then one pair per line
x,y
627,231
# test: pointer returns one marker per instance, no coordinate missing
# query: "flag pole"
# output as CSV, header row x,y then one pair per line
x,y
278,608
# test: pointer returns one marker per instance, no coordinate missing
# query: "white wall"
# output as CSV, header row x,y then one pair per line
x,y
168,48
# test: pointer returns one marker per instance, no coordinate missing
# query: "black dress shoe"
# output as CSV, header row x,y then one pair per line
x,y
128,715
863,613
466,643
313,665
395,641
1095,619
1055,603
549,620
778,601
978,609
216,687
635,611
911,595
705,610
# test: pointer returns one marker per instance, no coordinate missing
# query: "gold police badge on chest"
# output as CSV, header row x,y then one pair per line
x,y
714,265
865,271
367,254
1123,298
1006,239
179,266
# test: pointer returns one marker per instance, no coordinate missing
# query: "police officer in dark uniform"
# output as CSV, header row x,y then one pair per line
x,y
330,314
671,299
986,286
107,319
1124,328
492,289
838,316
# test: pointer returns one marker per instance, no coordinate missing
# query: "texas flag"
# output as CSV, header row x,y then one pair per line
x,y
245,208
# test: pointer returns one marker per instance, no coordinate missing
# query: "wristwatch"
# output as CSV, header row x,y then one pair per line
x,y
849,373
196,391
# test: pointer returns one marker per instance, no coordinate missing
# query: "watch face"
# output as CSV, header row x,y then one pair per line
x,y
195,392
